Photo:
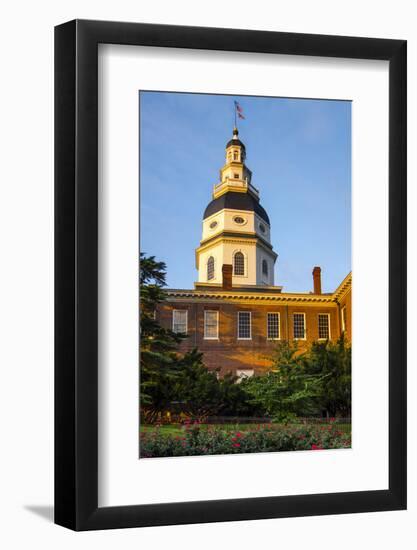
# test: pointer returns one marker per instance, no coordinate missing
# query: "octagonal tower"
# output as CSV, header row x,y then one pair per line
x,y
236,228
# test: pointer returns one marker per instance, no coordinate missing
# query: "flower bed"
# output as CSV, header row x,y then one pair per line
x,y
196,440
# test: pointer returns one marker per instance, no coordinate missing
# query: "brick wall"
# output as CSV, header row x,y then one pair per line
x,y
230,354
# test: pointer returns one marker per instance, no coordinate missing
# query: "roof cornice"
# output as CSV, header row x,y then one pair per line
x,y
344,287
235,236
239,295
236,295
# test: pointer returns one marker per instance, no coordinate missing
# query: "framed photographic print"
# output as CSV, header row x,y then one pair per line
x,y
230,275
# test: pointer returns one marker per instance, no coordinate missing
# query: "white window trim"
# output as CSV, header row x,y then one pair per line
x,y
241,374
245,263
214,268
186,321
305,325
343,318
217,315
250,325
318,327
279,325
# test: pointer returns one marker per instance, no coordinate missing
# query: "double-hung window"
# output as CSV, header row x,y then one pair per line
x,y
273,326
211,325
324,326
244,331
239,264
299,326
179,321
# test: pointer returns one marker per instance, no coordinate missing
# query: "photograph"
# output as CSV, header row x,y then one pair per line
x,y
245,274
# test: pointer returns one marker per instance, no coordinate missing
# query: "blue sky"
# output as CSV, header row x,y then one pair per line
x,y
299,151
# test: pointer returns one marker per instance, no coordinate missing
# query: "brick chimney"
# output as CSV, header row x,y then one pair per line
x,y
227,272
317,280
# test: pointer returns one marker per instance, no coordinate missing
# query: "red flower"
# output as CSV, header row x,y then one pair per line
x,y
316,448
238,434
236,444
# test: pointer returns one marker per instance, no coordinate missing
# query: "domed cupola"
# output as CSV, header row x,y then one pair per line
x,y
236,228
235,142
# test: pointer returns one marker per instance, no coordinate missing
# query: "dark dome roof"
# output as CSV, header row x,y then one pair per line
x,y
236,201
235,141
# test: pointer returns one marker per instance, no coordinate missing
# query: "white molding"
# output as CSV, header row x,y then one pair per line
x,y
342,320
244,218
214,268
286,299
245,263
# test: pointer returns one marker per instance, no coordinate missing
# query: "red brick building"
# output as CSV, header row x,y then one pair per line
x,y
235,314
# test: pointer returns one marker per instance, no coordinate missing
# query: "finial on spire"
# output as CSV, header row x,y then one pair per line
x,y
235,132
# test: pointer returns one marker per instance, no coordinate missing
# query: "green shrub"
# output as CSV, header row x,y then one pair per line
x,y
198,440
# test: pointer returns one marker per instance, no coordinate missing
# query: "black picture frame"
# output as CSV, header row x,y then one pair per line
x,y
76,272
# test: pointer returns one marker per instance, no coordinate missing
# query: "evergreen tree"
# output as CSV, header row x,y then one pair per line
x,y
170,381
288,389
333,362
158,346
316,382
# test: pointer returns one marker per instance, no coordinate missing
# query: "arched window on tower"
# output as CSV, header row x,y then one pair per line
x,y
239,264
210,268
264,267
235,155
